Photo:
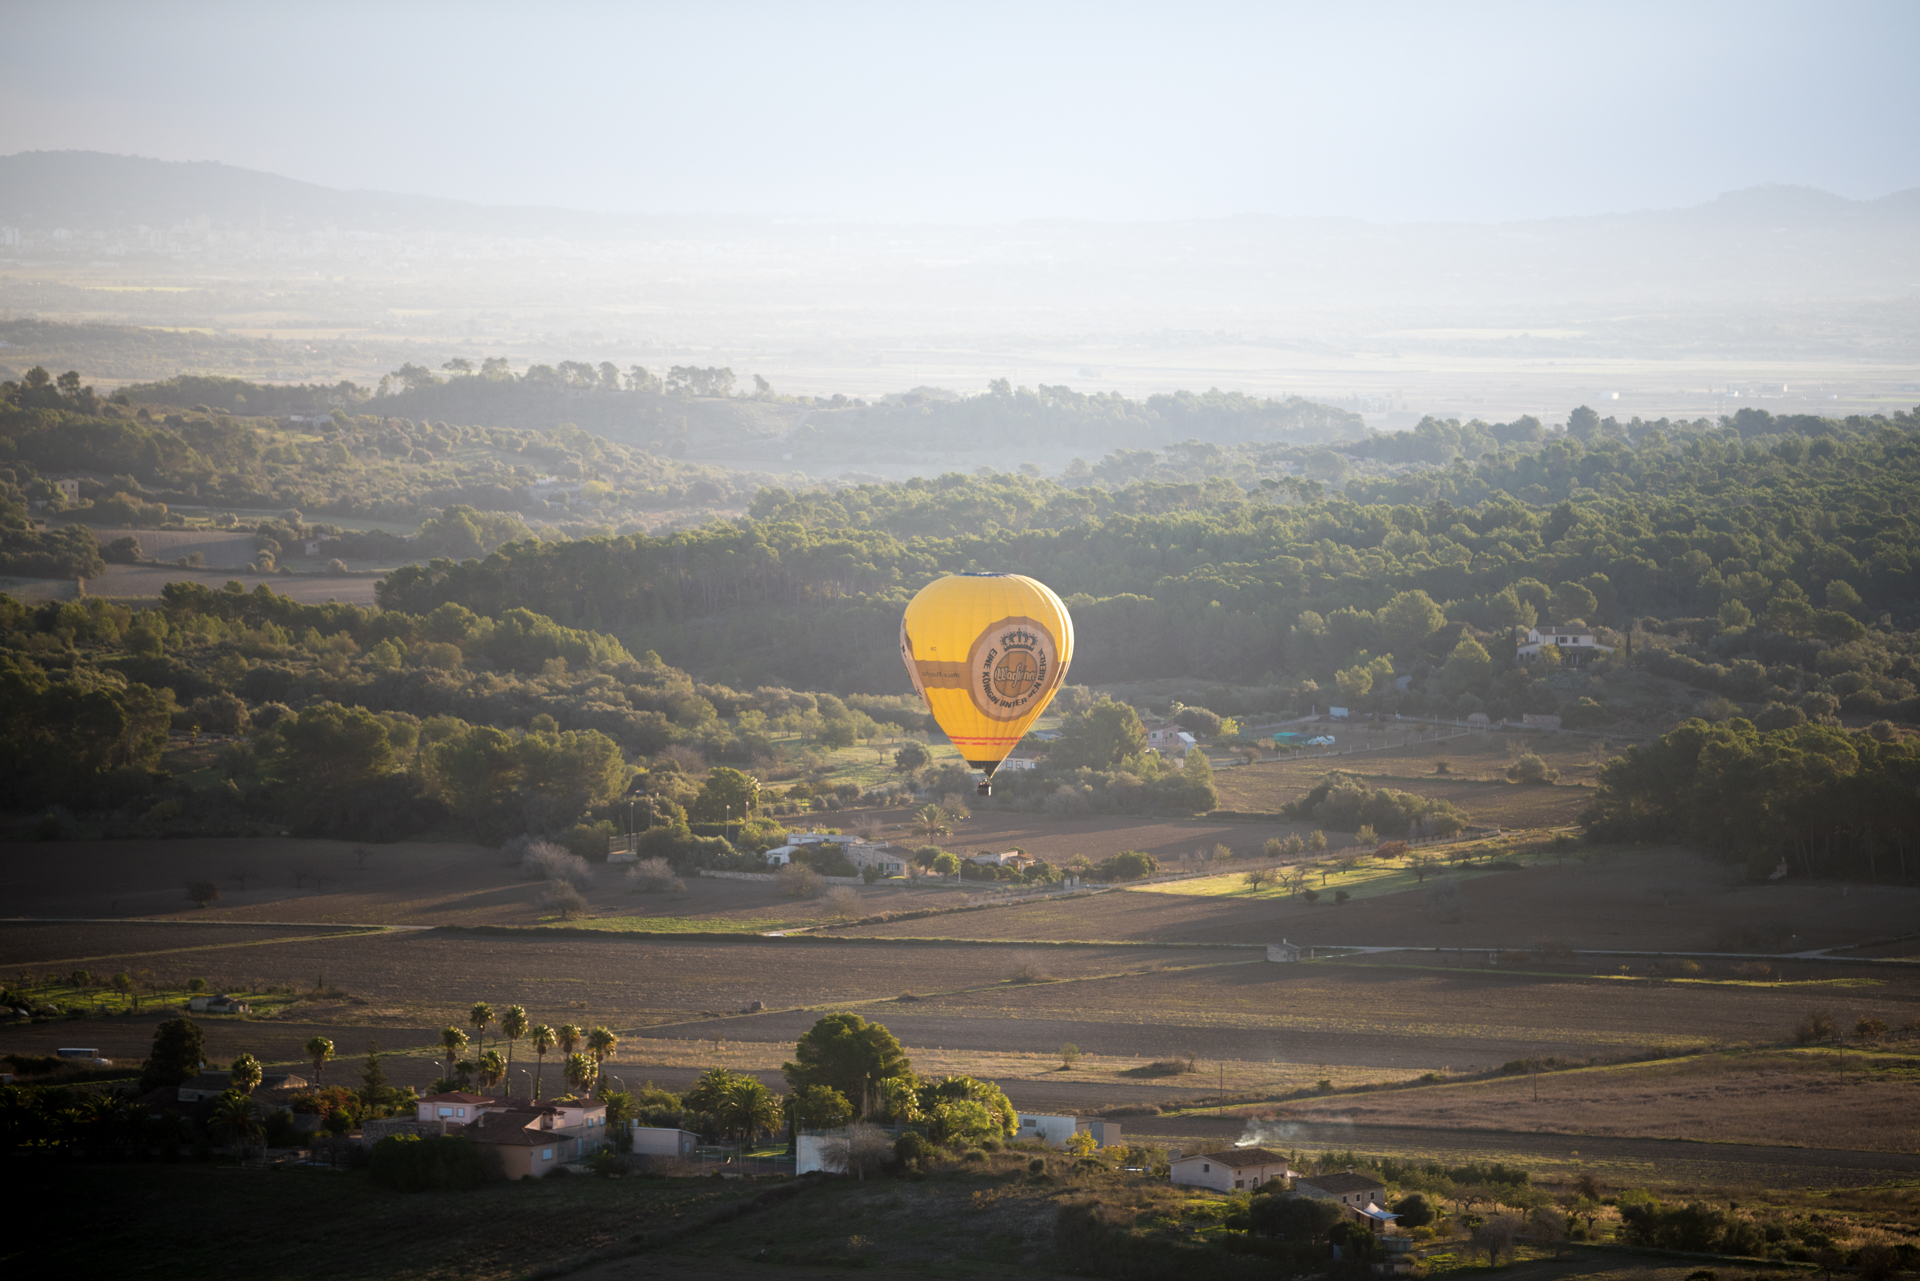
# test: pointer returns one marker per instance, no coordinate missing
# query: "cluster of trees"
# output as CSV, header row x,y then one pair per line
x,y
1343,802
845,1068
582,1052
1814,799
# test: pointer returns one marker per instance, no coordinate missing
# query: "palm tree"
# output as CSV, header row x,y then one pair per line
x,y
601,1044
570,1038
452,1040
236,1121
492,1070
319,1049
931,821
544,1039
481,1018
245,1074
580,1071
513,1026
747,1108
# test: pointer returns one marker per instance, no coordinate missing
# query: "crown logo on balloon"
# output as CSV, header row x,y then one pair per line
x,y
1019,638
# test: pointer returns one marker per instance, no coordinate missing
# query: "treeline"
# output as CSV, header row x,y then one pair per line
x,y
1806,799
138,455
376,723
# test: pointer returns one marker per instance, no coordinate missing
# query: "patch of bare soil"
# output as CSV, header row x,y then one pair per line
x,y
1792,1099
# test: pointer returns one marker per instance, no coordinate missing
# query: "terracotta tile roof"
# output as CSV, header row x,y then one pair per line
x,y
1344,1184
515,1129
457,1096
1240,1158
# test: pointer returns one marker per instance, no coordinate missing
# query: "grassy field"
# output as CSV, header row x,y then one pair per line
x,y
986,1217
267,1225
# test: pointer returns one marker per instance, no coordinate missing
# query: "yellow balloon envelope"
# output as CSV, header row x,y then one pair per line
x,y
987,652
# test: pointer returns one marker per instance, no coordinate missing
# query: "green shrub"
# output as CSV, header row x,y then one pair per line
x,y
912,1147
409,1163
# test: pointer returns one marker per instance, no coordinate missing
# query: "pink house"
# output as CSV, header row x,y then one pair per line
x,y
455,1107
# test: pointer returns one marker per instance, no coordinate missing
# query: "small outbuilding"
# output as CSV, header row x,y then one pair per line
x,y
1054,1131
662,1140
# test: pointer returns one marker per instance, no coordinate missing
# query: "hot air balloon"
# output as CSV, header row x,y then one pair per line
x,y
987,652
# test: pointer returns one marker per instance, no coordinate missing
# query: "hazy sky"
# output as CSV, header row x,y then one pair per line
x,y
967,112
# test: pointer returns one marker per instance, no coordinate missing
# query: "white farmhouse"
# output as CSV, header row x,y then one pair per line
x,y
1231,1170
1575,645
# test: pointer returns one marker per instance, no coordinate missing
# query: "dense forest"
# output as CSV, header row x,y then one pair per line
x,y
1761,562
1803,800
1756,573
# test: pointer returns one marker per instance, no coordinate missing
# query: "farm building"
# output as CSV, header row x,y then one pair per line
x,y
1169,739
521,1142
1575,645
1231,1170
211,1085
1283,951
1361,1195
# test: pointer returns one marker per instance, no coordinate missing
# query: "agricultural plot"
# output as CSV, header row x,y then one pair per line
x,y
1651,899
1688,1170
1866,1102
1475,779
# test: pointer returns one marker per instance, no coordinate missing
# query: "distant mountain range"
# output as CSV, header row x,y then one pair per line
x,y
92,190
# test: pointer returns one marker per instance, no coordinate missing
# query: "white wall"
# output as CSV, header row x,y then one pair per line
x,y
1051,1130
826,1153
653,1140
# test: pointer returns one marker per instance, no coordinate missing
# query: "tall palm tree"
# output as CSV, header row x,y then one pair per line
x,y
513,1026
319,1049
452,1041
601,1043
480,1017
544,1039
492,1070
570,1038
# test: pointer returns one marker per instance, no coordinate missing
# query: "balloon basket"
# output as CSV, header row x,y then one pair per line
x,y
986,788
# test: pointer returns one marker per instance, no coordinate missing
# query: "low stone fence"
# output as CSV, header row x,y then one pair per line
x,y
768,876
